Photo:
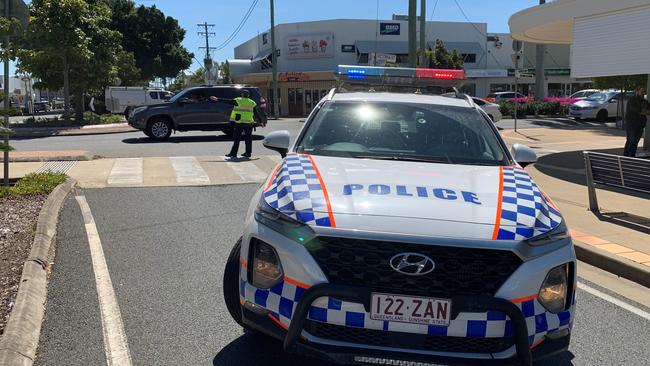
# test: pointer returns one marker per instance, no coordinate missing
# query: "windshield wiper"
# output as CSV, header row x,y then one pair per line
x,y
404,158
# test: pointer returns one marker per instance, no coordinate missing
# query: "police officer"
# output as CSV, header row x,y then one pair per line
x,y
242,119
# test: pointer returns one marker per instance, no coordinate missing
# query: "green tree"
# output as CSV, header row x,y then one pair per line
x,y
441,58
627,82
198,78
153,38
224,67
69,44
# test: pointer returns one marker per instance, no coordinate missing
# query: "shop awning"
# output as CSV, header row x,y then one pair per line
x,y
393,48
264,59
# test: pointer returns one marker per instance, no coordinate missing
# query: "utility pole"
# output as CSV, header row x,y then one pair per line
x,y
423,28
6,87
540,77
413,6
274,66
207,61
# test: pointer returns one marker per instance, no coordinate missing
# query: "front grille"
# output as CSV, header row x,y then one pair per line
x,y
419,342
458,271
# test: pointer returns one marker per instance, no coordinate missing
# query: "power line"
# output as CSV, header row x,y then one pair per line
x,y
434,9
467,18
239,27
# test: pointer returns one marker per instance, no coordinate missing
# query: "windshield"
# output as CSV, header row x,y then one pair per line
x,y
403,131
178,96
598,97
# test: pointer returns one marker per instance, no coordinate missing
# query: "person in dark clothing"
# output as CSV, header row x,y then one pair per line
x,y
242,119
635,120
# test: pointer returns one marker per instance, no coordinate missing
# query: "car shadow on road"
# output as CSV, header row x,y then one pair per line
x,y
563,359
187,139
254,350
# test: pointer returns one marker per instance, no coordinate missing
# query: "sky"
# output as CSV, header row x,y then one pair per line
x,y
227,14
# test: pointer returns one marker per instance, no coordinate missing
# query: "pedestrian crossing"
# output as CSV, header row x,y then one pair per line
x,y
171,171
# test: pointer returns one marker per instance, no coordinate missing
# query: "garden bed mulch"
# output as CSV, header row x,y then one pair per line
x,y
18,217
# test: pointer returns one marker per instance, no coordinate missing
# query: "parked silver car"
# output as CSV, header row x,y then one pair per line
x,y
600,106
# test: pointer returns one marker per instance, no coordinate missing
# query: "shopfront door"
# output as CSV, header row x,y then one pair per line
x,y
296,100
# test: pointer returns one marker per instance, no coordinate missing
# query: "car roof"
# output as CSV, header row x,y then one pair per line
x,y
401,98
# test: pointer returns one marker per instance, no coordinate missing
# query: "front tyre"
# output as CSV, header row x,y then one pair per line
x,y
158,129
231,284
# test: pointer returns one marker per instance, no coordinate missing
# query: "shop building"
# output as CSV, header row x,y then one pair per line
x,y
309,52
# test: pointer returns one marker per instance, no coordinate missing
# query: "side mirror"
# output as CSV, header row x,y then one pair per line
x,y
523,154
278,141
183,101
613,100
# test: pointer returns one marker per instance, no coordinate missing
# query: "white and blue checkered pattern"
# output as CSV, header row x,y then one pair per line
x,y
525,212
296,192
282,299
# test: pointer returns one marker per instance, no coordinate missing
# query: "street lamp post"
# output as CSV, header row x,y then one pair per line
x,y
6,90
274,66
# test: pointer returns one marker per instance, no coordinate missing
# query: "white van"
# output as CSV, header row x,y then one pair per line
x,y
121,99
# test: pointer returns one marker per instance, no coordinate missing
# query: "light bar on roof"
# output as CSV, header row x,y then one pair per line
x,y
400,76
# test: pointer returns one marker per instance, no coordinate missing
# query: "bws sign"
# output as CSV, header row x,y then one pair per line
x,y
389,29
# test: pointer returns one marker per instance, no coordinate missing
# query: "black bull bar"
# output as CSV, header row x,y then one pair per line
x,y
460,304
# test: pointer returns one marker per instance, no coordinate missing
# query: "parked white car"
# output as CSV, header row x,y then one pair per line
x,y
492,109
600,106
122,99
504,96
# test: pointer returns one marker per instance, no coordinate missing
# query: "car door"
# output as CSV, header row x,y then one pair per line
x,y
193,110
612,104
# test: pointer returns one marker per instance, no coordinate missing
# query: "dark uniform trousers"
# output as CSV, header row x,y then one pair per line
x,y
247,130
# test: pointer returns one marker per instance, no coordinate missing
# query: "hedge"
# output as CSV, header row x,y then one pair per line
x,y
534,108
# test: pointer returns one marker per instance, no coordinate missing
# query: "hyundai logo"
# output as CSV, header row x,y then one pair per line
x,y
412,264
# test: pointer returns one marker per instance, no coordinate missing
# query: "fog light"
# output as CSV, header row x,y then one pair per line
x,y
552,294
267,270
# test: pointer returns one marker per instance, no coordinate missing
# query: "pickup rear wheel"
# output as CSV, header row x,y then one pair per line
x,y
159,129
231,284
602,116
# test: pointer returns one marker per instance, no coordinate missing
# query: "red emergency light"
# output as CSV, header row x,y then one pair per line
x,y
440,74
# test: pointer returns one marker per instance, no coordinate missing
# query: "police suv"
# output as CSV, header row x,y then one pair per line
x,y
399,230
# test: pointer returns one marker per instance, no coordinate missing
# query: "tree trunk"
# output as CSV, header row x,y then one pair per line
x,y
66,88
79,107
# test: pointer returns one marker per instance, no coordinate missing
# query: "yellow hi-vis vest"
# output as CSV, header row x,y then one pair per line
x,y
243,111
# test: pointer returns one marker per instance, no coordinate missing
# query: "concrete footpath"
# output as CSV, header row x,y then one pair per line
x,y
617,239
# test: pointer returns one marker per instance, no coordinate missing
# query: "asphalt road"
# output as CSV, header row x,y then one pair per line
x,y
165,249
136,144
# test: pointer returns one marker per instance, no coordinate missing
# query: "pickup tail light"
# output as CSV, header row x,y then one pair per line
x,y
262,102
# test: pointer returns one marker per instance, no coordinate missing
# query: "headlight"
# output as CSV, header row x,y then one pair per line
x,y
559,233
138,110
283,224
552,294
267,269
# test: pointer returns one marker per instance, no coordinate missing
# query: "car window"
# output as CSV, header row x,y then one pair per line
x,y
598,97
434,133
479,101
153,95
578,95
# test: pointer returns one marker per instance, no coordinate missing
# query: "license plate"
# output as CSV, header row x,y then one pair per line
x,y
410,309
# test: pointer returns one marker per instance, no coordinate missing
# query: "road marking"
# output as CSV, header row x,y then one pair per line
x,y
188,170
115,343
127,171
248,171
57,166
615,301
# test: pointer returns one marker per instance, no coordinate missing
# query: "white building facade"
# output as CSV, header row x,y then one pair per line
x,y
308,53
